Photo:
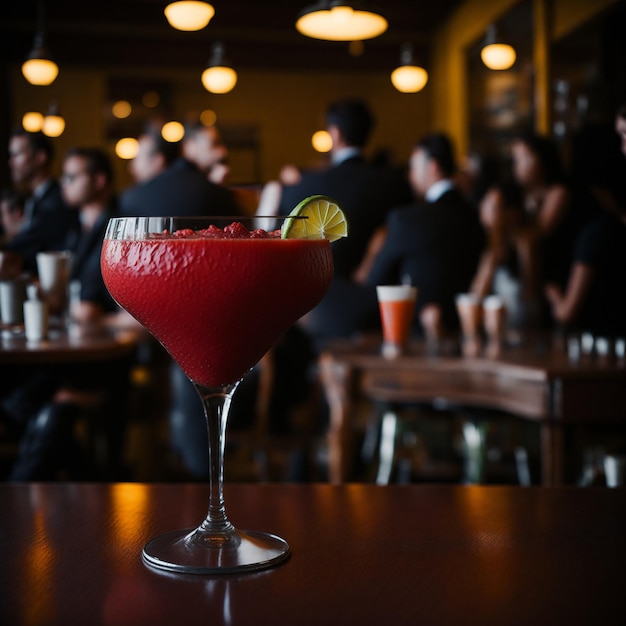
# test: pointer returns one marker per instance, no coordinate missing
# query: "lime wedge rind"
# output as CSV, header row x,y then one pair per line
x,y
325,220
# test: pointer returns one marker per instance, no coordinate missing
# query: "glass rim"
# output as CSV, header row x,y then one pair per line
x,y
233,218
122,227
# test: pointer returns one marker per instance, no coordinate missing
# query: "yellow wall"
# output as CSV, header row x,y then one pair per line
x,y
570,14
468,25
450,98
286,107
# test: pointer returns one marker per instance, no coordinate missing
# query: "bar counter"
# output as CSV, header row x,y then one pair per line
x,y
360,554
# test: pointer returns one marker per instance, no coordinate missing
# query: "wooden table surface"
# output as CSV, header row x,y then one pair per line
x,y
534,381
361,554
78,345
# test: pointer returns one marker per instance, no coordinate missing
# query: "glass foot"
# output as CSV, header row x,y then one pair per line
x,y
195,552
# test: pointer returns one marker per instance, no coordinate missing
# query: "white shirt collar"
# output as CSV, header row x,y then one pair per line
x,y
437,190
343,154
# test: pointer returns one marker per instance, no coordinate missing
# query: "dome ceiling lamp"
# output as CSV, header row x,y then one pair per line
x,y
496,54
339,20
39,68
189,15
219,76
32,121
408,77
53,122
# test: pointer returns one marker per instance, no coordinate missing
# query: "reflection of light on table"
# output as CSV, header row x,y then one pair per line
x,y
495,549
129,511
37,599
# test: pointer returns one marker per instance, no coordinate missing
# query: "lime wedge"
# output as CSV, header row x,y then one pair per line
x,y
325,220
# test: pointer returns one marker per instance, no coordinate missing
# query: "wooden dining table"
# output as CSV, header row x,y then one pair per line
x,y
93,363
533,380
67,344
360,554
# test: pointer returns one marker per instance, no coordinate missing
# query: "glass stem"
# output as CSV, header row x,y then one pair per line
x,y
216,403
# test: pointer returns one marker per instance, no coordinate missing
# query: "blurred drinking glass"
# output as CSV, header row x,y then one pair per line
x,y
397,305
469,307
494,322
54,270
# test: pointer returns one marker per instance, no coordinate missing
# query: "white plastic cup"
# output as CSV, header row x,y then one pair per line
x,y
35,320
614,470
54,270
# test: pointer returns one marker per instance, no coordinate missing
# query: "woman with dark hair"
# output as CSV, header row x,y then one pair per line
x,y
554,213
594,298
503,269
537,168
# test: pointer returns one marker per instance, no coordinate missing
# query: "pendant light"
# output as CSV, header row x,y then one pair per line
x,y
495,54
53,122
32,121
39,68
218,77
340,21
126,148
408,77
189,15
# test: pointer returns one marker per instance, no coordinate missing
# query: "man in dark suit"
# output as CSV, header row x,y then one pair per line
x,y
46,218
178,189
365,191
172,185
40,405
435,244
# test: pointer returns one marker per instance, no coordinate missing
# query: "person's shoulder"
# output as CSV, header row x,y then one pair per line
x,y
131,196
310,183
225,198
453,196
52,199
456,201
407,213
603,226
599,237
559,194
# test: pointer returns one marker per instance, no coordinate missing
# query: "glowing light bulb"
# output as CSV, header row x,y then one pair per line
x,y
127,148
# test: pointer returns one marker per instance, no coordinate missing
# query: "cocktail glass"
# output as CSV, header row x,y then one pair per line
x,y
217,302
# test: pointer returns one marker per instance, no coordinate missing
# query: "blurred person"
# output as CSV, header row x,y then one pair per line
x,y
553,214
181,188
41,404
271,193
154,155
11,213
177,190
290,174
87,185
203,146
504,269
594,298
597,164
435,243
364,190
46,219
477,176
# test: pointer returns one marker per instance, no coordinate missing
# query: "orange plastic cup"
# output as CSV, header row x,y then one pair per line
x,y
397,306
